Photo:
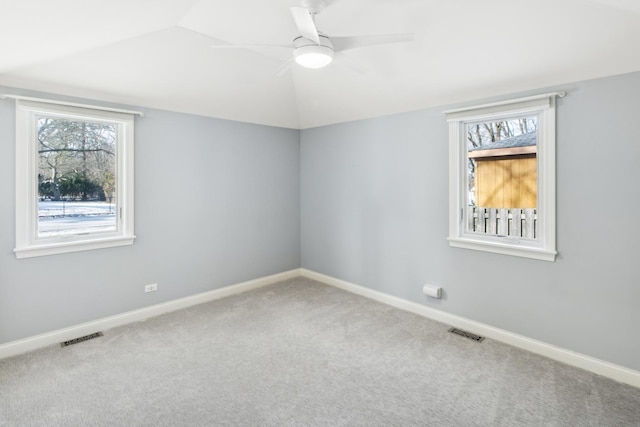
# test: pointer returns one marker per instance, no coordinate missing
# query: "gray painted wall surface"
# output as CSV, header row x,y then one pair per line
x,y
368,199
217,203
374,201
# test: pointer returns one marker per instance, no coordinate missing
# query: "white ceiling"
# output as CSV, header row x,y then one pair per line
x,y
157,53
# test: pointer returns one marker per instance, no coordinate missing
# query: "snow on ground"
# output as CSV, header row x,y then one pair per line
x,y
51,208
59,218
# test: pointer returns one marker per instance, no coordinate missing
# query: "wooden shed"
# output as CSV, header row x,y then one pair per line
x,y
506,173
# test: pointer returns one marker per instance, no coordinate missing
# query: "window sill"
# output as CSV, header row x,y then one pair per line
x,y
66,247
502,248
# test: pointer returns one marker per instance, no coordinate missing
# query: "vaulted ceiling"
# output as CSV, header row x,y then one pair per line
x,y
158,53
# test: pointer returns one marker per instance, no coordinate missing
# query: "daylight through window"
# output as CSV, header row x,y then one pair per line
x,y
502,177
74,178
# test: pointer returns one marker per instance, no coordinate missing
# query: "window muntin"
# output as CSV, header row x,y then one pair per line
x,y
520,156
74,178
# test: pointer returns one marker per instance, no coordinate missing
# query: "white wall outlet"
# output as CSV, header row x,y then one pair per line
x,y
151,288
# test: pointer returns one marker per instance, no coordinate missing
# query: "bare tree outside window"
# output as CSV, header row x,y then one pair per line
x,y
76,176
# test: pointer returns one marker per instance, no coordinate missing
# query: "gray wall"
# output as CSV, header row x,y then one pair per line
x,y
372,197
374,200
217,203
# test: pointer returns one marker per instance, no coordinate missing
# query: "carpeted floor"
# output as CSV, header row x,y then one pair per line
x,y
305,354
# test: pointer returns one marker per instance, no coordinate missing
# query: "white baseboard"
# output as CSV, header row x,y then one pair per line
x,y
597,366
38,341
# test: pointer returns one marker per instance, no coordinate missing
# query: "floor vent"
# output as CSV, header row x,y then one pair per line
x,y
81,339
466,334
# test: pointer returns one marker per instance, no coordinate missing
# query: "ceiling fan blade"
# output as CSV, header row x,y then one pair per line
x,y
248,46
286,66
346,43
305,24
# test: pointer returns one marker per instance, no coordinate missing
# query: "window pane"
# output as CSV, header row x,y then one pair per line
x,y
502,186
76,176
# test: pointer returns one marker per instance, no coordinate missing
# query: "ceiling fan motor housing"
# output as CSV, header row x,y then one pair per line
x,y
309,54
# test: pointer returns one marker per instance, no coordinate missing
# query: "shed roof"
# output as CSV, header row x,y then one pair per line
x,y
524,140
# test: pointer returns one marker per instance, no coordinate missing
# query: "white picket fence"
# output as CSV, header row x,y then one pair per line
x,y
503,222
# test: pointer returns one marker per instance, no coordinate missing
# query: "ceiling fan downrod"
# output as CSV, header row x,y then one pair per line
x,y
314,6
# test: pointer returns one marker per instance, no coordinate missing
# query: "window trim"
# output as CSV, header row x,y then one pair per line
x,y
27,242
543,106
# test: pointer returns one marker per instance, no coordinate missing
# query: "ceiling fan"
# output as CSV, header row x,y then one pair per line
x,y
314,49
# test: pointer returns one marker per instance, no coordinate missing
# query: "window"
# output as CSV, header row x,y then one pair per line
x,y
502,177
74,178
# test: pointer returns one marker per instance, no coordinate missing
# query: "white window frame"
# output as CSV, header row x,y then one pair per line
x,y
28,244
541,106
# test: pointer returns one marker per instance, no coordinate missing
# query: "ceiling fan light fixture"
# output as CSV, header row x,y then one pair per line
x,y
313,56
